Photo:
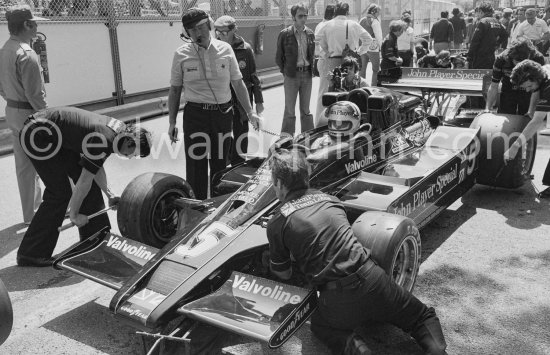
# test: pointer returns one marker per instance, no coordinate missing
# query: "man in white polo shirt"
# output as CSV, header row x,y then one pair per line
x,y
533,28
203,68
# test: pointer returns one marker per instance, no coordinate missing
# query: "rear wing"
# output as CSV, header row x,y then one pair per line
x,y
106,258
470,82
252,306
445,90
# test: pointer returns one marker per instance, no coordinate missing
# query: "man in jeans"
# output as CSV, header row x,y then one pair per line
x,y
442,33
295,55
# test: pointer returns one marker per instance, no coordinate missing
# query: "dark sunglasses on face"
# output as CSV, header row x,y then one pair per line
x,y
301,16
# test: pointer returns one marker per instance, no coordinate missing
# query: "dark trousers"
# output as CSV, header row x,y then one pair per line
x,y
515,102
207,138
375,299
407,57
55,171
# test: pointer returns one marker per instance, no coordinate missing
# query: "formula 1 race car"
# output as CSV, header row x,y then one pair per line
x,y
206,260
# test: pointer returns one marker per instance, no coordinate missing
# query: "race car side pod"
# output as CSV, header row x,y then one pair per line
x,y
431,121
93,215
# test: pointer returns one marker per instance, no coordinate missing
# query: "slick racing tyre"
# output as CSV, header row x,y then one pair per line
x,y
394,242
6,313
497,133
146,211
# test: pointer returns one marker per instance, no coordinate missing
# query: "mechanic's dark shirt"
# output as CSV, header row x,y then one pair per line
x,y
544,99
389,49
442,31
87,133
502,69
488,35
313,228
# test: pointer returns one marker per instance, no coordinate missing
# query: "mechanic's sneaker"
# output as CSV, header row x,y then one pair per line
x,y
545,193
355,345
36,262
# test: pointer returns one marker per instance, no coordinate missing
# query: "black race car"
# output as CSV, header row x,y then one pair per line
x,y
206,260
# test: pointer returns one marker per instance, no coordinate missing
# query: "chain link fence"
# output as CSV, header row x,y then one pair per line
x,y
159,10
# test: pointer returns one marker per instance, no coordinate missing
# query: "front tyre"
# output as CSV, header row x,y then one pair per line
x,y
394,242
146,211
6,313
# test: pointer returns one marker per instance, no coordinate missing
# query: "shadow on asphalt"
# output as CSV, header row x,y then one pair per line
x,y
25,278
10,238
504,321
521,207
92,324
443,227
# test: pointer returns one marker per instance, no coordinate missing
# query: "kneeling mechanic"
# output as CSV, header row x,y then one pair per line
x,y
313,228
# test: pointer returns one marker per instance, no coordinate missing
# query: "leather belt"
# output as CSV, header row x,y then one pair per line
x,y
19,104
302,69
211,107
350,279
336,57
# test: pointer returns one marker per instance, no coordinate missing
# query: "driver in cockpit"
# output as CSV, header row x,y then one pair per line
x,y
343,120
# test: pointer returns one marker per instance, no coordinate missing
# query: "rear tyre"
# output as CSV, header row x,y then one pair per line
x,y
497,133
6,313
394,242
146,211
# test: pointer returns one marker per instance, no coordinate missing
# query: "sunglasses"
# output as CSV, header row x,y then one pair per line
x,y
218,32
301,16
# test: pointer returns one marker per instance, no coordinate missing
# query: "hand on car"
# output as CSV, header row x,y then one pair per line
x,y
399,61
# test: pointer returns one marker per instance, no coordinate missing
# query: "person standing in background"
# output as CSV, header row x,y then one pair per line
x,y
442,34
332,39
459,27
405,42
520,18
324,75
294,57
372,25
22,86
488,36
226,28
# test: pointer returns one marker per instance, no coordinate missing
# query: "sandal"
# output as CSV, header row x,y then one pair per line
x,y
545,193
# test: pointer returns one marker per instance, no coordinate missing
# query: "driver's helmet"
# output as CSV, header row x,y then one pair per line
x,y
344,118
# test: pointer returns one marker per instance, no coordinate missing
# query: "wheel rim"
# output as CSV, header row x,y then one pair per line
x,y
405,263
165,215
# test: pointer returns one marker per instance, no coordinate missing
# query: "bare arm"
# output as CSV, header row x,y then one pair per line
x,y
242,96
101,181
537,123
533,103
174,98
80,192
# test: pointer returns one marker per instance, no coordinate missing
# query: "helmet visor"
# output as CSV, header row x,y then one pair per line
x,y
339,126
